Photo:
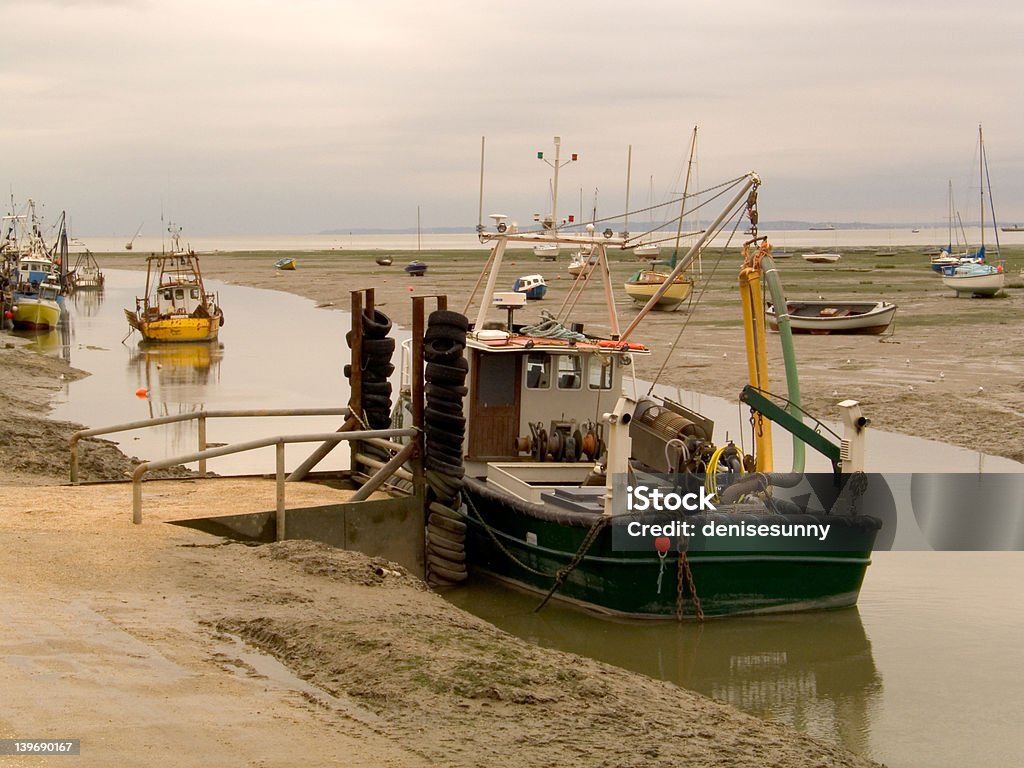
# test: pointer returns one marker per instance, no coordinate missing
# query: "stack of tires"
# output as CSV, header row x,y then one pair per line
x,y
444,430
377,368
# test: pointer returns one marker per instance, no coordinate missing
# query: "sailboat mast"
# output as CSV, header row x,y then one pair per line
x,y
981,182
418,245
629,168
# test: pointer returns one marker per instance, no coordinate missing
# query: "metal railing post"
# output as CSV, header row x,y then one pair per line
x,y
202,443
280,518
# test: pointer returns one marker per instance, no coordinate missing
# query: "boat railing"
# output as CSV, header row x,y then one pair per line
x,y
382,437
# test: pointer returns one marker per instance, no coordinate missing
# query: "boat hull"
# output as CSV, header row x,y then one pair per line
x,y
822,258
176,329
627,584
975,285
34,314
821,317
641,293
288,264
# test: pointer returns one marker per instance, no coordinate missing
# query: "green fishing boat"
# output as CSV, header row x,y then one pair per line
x,y
535,453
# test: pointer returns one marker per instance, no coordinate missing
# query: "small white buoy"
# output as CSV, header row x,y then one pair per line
x,y
911,387
847,361
981,389
942,375
908,361
725,354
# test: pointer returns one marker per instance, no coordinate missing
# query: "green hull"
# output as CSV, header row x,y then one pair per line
x,y
500,540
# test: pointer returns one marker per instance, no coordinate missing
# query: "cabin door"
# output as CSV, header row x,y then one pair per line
x,y
494,408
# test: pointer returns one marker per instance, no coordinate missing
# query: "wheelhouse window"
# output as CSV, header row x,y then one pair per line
x,y
600,369
538,370
570,372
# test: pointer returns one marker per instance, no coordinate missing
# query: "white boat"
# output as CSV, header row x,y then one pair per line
x,y
822,258
975,279
648,251
825,317
85,274
581,261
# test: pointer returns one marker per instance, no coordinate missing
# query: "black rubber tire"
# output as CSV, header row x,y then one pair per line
x,y
442,485
446,333
451,555
452,471
445,511
447,455
445,406
438,373
447,317
443,574
376,402
376,326
445,524
448,392
446,441
444,422
442,350
347,370
377,348
378,419
445,538
377,389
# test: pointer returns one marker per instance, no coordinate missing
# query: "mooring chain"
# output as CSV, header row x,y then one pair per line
x,y
563,573
684,570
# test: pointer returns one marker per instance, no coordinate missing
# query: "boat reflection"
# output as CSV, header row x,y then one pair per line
x,y
175,376
87,303
814,671
52,341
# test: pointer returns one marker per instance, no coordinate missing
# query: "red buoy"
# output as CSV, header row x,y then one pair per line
x,y
662,544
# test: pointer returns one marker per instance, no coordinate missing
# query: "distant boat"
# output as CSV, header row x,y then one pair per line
x,y
822,258
546,252
825,317
826,228
581,261
130,244
978,278
288,262
384,261
416,268
532,285
1014,228
86,273
887,252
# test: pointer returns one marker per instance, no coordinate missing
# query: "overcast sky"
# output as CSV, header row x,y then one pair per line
x,y
294,116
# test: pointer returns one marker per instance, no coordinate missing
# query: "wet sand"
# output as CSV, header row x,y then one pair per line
x,y
159,645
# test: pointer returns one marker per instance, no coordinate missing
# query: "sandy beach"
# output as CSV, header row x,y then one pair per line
x,y
162,646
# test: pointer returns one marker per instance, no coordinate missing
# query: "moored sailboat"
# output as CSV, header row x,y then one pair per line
x,y
972,276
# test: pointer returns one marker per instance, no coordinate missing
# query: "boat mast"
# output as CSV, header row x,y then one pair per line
x,y
981,184
629,168
554,186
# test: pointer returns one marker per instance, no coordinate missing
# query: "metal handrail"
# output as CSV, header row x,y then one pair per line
x,y
201,417
279,442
